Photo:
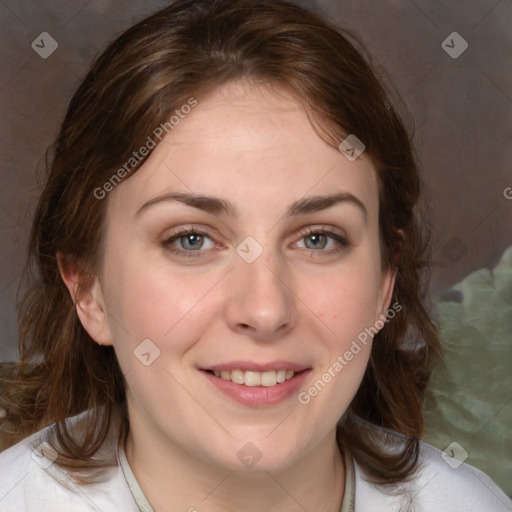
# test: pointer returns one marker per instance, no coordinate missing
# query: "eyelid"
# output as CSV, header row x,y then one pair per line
x,y
185,229
323,229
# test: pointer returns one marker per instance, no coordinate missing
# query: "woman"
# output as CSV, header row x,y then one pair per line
x,y
228,312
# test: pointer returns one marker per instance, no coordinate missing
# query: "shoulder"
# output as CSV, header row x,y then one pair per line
x,y
449,481
30,480
440,484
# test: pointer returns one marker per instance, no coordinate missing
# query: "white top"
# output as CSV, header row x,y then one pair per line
x,y
31,482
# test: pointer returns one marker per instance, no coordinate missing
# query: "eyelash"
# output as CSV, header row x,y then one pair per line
x,y
343,242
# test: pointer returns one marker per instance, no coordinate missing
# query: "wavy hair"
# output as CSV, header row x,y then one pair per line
x,y
187,50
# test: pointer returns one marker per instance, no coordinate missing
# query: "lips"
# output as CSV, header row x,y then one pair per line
x,y
256,384
257,367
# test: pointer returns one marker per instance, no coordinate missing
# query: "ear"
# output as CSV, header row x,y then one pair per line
x,y
385,293
388,280
87,295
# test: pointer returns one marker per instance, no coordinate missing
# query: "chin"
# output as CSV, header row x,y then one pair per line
x,y
258,455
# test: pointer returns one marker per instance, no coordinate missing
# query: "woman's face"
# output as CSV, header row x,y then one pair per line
x,y
278,270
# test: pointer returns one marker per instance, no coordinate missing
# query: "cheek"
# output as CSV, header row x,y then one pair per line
x,y
343,306
172,311
158,302
345,300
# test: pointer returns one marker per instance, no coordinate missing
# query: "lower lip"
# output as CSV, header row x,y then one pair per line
x,y
259,396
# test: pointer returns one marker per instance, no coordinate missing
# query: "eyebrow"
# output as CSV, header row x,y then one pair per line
x,y
217,206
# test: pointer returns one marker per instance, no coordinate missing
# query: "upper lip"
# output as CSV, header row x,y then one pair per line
x,y
257,367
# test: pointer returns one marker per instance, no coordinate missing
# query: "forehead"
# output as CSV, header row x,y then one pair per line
x,y
251,144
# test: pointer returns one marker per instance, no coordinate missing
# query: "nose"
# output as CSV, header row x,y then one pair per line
x,y
261,300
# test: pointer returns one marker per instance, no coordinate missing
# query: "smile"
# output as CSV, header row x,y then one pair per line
x,y
255,378
254,388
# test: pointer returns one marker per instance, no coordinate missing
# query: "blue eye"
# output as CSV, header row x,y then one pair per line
x,y
194,243
189,241
323,242
318,241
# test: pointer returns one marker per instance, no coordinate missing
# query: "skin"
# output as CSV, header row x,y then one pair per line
x,y
254,147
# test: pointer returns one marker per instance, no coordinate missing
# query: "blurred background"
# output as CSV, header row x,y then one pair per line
x,y
450,63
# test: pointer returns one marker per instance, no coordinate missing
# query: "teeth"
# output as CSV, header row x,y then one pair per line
x,y
237,376
250,378
268,379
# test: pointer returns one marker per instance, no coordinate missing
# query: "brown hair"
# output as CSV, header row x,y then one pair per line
x,y
187,50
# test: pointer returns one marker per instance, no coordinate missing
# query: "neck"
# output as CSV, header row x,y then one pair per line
x,y
175,480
